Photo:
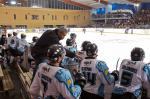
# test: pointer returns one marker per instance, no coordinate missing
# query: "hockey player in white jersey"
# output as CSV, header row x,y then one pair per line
x,y
133,75
9,38
69,46
73,37
54,81
99,80
22,45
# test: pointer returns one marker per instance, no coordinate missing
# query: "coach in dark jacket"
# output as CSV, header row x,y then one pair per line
x,y
49,37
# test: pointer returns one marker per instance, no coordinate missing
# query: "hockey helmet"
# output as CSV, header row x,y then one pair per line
x,y
23,36
91,49
84,45
73,35
15,33
69,42
34,39
55,51
137,54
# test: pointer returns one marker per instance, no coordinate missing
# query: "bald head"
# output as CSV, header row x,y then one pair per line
x,y
62,32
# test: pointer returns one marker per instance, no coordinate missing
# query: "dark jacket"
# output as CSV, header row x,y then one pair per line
x,y
48,38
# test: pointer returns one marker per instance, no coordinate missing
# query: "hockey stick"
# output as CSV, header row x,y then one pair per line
x,y
117,63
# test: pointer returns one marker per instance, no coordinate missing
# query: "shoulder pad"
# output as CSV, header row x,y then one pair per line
x,y
64,61
103,68
146,69
64,76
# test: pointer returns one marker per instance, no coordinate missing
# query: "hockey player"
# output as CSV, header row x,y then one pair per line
x,y
34,40
67,61
127,30
99,80
71,46
133,75
52,80
83,49
73,39
22,45
9,38
13,44
84,30
31,59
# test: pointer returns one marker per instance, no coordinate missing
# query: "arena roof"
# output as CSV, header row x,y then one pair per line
x,y
101,3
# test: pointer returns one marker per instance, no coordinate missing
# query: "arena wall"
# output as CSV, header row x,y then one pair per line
x,y
38,17
92,30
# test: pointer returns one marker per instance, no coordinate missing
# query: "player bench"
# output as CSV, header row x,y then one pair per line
x,y
26,78
6,83
1,77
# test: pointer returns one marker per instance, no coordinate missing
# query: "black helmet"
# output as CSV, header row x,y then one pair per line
x,y
91,49
137,54
55,51
34,39
15,33
23,36
73,35
9,35
69,42
84,45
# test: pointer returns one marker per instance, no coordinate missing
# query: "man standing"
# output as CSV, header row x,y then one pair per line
x,y
49,37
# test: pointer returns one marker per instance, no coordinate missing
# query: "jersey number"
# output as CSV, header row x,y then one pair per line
x,y
126,78
91,77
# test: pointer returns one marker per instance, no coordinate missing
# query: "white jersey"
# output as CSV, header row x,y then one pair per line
x,y
22,44
9,40
15,40
54,82
131,77
99,81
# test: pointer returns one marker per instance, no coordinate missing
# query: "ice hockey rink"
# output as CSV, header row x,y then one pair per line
x,y
111,45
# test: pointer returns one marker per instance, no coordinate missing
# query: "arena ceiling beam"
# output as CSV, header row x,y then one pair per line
x,y
77,3
135,1
92,3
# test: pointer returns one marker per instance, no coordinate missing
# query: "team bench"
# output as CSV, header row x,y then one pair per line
x,y
6,83
26,78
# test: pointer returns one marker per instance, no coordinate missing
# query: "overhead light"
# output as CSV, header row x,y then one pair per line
x,y
137,4
13,2
35,6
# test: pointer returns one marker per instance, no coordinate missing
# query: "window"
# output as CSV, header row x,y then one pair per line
x,y
65,17
14,16
74,17
43,17
52,17
35,17
26,17
21,26
84,18
48,26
